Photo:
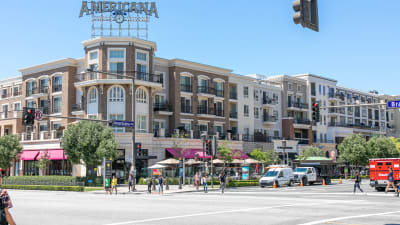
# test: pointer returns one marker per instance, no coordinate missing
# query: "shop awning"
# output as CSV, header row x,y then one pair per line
x,y
29,154
54,154
200,155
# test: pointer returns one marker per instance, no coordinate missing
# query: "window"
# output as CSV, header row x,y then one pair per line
x,y
246,110
256,95
56,126
57,104
246,92
117,117
116,94
115,54
186,106
30,104
30,87
219,89
158,125
162,79
116,68
186,85
4,93
219,129
187,126
16,91
141,123
203,127
92,116
141,95
289,86
43,127
159,99
93,75
141,56
298,87
256,112
93,95
93,55
57,83
17,106
324,90
320,89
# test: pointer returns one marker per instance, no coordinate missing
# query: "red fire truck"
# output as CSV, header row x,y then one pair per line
x,y
379,170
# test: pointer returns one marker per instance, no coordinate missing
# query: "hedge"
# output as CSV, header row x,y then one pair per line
x,y
45,187
242,183
96,181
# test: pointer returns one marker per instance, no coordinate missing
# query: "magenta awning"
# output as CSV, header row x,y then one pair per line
x,y
54,154
200,155
29,154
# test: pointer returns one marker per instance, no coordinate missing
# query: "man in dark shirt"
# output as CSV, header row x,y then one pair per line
x,y
357,181
390,181
222,180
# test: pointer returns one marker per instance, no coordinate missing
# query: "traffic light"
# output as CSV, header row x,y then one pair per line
x,y
306,13
208,147
28,116
138,148
315,112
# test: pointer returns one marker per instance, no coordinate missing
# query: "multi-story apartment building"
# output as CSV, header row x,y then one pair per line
x,y
392,117
175,102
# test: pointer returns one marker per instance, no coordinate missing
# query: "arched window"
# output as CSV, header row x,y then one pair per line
x,y
141,95
116,94
92,96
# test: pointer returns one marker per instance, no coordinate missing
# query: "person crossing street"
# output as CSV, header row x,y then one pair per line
x,y
222,180
204,180
357,181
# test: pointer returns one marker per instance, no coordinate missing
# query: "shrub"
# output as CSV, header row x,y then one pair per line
x,y
242,183
44,187
54,180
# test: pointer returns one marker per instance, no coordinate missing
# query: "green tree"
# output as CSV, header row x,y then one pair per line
x,y
353,150
225,153
266,158
381,147
310,152
89,141
396,142
43,162
9,149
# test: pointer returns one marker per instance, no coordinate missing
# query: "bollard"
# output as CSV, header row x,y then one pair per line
x,y
166,184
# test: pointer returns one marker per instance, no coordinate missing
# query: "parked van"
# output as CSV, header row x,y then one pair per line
x,y
281,176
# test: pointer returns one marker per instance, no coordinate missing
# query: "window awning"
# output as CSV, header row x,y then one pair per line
x,y
29,154
53,154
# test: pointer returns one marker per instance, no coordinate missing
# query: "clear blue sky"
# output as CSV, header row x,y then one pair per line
x,y
358,42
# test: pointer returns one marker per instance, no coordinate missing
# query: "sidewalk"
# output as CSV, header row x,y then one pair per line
x,y
142,189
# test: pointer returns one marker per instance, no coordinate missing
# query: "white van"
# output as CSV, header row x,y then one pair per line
x,y
281,176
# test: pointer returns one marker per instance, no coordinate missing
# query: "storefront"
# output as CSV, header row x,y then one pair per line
x,y
57,165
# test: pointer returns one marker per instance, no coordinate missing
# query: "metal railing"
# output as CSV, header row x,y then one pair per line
x,y
269,101
205,90
219,93
44,90
205,110
267,118
186,88
18,93
299,105
77,107
142,76
5,95
186,109
301,121
162,107
233,95
219,112
233,115
57,87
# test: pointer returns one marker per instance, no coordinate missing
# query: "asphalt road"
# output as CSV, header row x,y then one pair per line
x,y
332,204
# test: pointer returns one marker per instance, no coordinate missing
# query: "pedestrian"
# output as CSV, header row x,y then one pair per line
x,y
390,181
204,180
130,182
237,175
114,185
222,180
357,181
149,185
197,180
5,205
108,185
160,185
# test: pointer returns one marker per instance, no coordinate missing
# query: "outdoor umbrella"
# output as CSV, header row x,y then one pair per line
x,y
192,162
218,161
251,161
156,166
170,161
237,161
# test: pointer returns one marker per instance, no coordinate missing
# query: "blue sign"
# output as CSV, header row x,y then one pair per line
x,y
181,172
122,123
245,172
393,104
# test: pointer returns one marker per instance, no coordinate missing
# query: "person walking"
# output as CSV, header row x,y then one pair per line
x,y
160,185
222,180
114,185
130,182
204,180
5,205
149,184
108,185
357,181
197,180
390,181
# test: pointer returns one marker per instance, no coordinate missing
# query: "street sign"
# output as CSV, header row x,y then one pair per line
x,y
122,123
393,104
280,147
38,115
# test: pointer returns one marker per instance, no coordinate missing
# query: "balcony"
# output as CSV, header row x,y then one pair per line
x,y
57,87
301,121
17,93
44,90
269,102
219,93
233,95
5,95
333,110
233,115
219,112
44,109
163,108
186,88
76,107
205,90
269,119
205,111
186,109
298,105
148,77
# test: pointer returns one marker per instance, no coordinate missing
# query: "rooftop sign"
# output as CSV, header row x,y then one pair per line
x,y
146,8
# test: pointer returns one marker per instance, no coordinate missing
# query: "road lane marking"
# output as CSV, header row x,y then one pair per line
x,y
203,214
348,217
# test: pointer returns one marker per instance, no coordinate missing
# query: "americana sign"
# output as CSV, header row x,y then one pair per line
x,y
96,7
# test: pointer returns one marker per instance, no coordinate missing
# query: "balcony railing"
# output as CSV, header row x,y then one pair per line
x,y
76,107
5,95
205,110
186,109
31,91
142,76
301,121
156,78
233,95
45,109
186,88
267,118
17,93
44,90
299,105
165,107
269,101
333,110
57,87
233,115
219,112
205,90
219,93
332,95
